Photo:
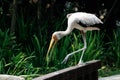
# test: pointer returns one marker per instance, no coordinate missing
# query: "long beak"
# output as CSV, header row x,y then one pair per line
x,y
52,44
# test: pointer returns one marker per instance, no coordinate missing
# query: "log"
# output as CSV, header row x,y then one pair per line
x,y
85,71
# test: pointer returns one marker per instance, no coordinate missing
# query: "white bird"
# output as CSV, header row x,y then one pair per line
x,y
82,21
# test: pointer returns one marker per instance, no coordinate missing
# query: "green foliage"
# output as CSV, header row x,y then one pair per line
x,y
24,53
25,29
39,51
12,60
113,51
108,71
95,46
74,42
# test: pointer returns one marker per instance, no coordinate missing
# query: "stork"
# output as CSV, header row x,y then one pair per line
x,y
79,20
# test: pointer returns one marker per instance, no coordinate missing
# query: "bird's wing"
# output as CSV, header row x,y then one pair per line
x,y
90,20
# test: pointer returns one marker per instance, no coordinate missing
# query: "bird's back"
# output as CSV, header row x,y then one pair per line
x,y
84,19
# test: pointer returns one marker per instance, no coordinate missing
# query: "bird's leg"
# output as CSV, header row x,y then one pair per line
x,y
85,46
70,54
83,49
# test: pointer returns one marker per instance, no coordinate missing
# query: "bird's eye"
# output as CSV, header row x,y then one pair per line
x,y
59,34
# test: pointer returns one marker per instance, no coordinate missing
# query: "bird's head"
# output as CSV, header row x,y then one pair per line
x,y
56,36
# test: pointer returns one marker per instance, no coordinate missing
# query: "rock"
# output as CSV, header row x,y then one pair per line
x,y
114,77
10,77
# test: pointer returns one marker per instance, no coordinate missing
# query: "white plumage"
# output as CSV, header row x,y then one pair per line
x,y
85,18
81,21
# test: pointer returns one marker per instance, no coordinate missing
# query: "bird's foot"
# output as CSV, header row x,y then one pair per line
x,y
80,62
65,59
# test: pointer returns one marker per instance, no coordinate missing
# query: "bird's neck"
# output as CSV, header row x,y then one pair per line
x,y
67,31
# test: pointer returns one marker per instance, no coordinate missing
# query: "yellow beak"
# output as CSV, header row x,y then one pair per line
x,y
52,44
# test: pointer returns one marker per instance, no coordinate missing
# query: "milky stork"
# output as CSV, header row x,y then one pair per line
x,y
79,20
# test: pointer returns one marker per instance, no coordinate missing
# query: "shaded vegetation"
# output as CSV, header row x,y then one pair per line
x,y
26,27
